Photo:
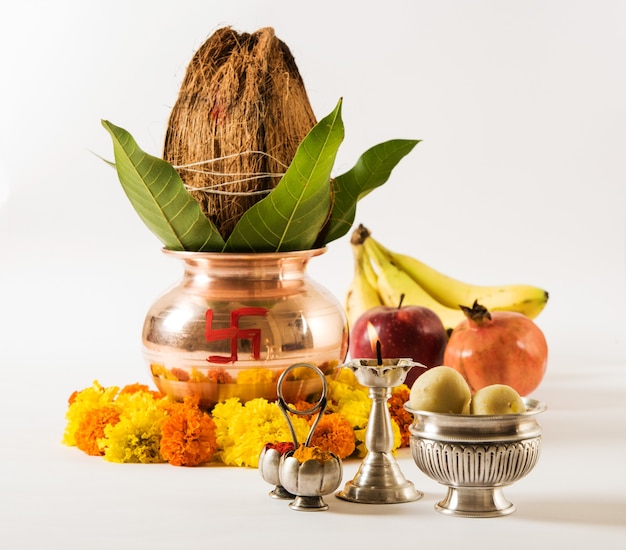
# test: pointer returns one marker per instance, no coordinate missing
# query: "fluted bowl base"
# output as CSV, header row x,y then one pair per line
x,y
473,502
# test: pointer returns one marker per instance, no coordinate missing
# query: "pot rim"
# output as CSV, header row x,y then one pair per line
x,y
533,407
189,254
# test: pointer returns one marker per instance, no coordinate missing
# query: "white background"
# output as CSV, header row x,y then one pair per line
x,y
520,176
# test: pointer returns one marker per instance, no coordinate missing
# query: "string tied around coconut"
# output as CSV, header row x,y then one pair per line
x,y
238,177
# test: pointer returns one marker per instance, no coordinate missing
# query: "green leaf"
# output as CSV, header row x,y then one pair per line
x,y
293,214
158,194
371,170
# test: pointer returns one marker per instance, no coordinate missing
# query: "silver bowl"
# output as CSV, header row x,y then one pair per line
x,y
475,456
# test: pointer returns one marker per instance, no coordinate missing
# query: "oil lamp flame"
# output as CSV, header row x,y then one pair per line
x,y
375,343
373,336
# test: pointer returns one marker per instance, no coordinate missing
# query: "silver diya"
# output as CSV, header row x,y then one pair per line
x,y
379,479
476,456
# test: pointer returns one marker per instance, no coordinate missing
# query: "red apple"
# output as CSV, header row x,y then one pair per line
x,y
412,332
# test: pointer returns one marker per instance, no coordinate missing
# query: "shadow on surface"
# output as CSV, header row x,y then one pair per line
x,y
606,513
423,505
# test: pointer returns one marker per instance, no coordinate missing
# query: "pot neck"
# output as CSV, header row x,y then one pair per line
x,y
283,265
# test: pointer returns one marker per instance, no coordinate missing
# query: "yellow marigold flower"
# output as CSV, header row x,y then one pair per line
x,y
256,376
335,435
243,429
188,435
161,371
301,373
354,403
137,435
355,408
341,392
196,376
347,377
91,428
93,397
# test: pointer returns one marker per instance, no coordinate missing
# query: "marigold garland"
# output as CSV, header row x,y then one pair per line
x,y
136,424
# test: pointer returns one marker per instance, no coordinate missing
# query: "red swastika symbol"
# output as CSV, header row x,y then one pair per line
x,y
234,333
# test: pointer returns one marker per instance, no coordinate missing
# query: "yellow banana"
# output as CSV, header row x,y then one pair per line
x,y
526,299
393,283
363,293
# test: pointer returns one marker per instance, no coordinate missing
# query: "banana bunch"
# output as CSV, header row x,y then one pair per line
x,y
384,277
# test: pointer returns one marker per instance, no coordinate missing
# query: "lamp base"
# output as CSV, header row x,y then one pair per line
x,y
379,481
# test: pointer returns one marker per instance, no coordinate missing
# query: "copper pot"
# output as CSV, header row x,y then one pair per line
x,y
234,322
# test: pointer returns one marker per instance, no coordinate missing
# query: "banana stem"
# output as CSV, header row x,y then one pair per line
x,y
360,234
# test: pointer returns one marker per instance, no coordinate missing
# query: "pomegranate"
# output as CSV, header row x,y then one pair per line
x,y
500,347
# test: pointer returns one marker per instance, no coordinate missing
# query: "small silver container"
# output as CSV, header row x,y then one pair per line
x,y
269,466
475,456
310,480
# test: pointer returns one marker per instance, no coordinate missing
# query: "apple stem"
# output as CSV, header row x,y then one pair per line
x,y
401,300
379,353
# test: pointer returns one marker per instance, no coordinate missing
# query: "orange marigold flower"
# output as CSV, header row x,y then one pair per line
x,y
72,397
304,453
180,374
403,418
302,405
91,428
188,435
136,388
219,376
334,434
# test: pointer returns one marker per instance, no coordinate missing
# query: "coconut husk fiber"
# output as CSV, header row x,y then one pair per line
x,y
242,95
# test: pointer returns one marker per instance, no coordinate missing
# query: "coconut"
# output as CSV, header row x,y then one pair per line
x,y
241,112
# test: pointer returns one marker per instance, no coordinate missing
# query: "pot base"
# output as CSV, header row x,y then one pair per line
x,y
309,504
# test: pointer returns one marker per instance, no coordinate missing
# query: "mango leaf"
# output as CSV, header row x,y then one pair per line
x,y
158,194
293,214
371,170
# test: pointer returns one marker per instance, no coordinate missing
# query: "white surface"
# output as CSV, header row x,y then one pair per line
x,y
574,497
520,178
